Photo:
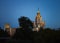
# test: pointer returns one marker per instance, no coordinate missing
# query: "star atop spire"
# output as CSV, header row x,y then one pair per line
x,y
38,9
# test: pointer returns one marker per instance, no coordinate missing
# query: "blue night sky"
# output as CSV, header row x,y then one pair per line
x,y
11,10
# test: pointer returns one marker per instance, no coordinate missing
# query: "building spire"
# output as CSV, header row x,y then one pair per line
x,y
38,11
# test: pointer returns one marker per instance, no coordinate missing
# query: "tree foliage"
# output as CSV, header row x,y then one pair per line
x,y
25,22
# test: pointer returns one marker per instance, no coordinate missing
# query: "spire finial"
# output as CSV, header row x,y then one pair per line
x,y
38,11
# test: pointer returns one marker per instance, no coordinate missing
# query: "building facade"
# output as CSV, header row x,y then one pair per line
x,y
38,23
9,30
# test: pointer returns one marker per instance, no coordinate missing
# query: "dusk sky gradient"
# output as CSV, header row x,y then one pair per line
x,y
11,10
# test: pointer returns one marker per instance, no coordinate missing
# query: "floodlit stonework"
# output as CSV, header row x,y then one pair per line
x,y
38,23
10,31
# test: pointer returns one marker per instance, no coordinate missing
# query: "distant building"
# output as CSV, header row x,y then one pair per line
x,y
38,23
10,31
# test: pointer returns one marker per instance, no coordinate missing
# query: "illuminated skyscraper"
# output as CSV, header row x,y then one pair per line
x,y
38,23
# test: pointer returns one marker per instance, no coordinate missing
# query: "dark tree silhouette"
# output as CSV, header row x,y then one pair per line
x,y
3,33
25,22
26,25
48,35
25,30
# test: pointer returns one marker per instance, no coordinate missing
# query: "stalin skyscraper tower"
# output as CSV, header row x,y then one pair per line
x,y
38,23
